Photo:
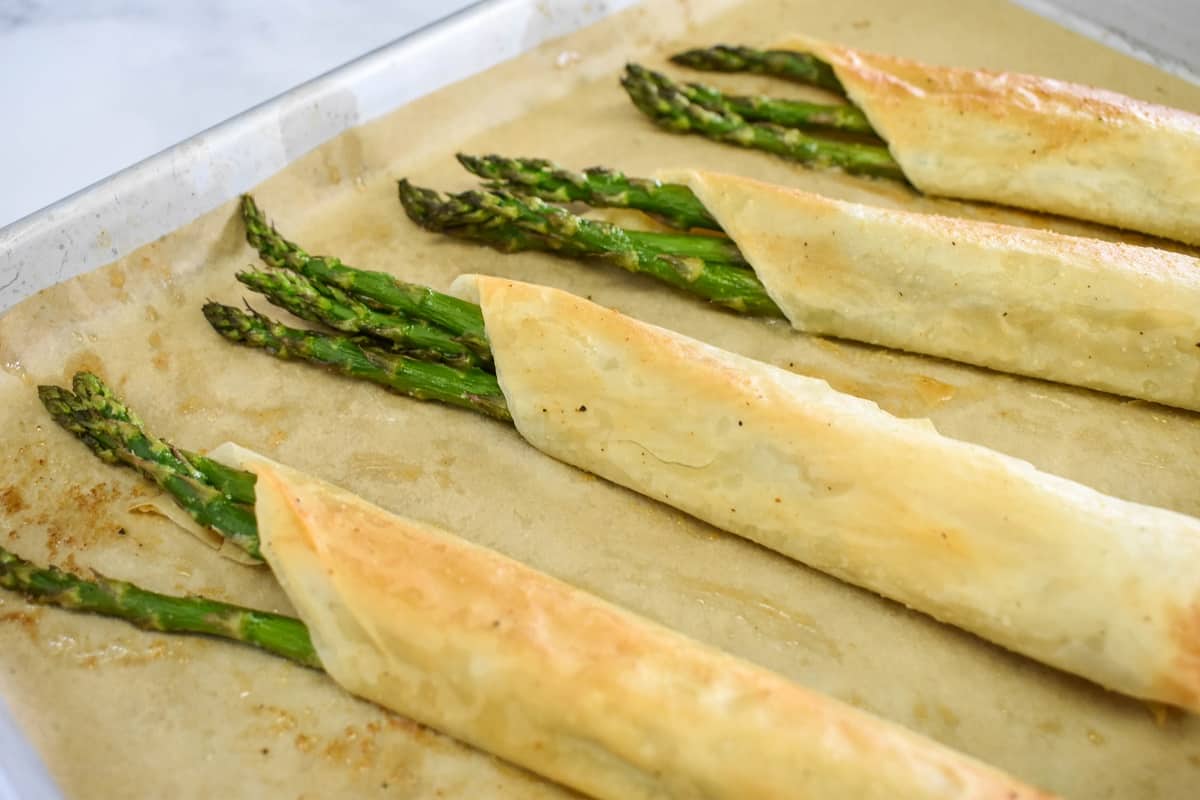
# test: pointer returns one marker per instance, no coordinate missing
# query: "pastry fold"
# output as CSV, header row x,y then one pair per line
x,y
1091,584
1102,315
1028,141
526,667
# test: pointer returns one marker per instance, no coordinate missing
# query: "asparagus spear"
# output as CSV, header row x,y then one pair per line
x,y
379,289
467,388
112,430
579,235
661,99
800,67
274,633
679,260
430,210
597,186
333,307
786,113
119,441
236,484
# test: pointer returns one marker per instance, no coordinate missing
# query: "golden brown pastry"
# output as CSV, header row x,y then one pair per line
x,y
1103,315
526,667
1028,141
1098,586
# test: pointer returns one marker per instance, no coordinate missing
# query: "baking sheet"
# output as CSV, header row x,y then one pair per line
x,y
117,712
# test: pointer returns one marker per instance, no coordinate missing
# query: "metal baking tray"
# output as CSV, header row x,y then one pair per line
x,y
166,191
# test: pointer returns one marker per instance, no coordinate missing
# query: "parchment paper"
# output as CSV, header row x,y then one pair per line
x,y
121,713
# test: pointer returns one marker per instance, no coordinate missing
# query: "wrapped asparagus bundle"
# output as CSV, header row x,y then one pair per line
x,y
1085,582
494,653
1102,315
1021,140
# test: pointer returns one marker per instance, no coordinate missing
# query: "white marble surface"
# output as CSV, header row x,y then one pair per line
x,y
92,86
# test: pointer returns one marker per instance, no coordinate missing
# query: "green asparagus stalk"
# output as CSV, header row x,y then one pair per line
x,y
673,258
467,387
430,210
672,203
579,235
119,441
785,113
333,307
274,633
510,239
799,67
379,289
661,99
236,484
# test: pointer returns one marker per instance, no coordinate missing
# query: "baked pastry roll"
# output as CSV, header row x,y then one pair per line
x,y
524,666
1028,141
1103,315
1086,582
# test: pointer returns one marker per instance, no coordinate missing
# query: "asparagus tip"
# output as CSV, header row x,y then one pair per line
x,y
55,399
423,206
222,317
471,163
248,327
249,206
258,280
252,216
89,387
417,202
